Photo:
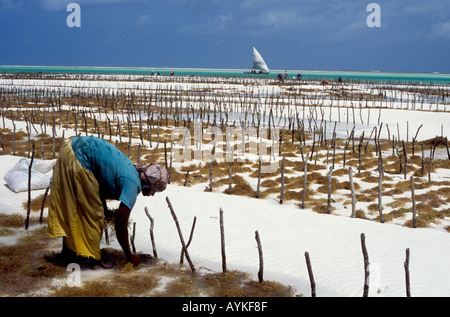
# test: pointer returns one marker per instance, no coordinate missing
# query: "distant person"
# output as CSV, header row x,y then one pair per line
x,y
280,77
299,76
89,171
340,79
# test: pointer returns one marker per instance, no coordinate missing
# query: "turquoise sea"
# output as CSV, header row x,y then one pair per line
x,y
430,78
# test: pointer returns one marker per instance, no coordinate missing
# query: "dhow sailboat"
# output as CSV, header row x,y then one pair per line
x,y
259,65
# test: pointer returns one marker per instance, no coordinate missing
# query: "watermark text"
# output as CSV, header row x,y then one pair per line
x,y
74,18
374,18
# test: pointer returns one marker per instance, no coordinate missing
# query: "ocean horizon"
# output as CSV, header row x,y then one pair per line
x,y
364,76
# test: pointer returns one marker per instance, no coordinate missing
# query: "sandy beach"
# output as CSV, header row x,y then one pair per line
x,y
389,135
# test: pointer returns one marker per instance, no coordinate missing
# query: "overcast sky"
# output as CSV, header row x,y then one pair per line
x,y
414,35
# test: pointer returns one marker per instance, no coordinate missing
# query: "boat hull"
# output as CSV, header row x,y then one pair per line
x,y
257,73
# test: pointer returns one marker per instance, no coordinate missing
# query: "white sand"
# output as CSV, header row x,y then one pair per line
x,y
286,231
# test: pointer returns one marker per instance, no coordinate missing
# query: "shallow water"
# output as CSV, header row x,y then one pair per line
x,y
434,78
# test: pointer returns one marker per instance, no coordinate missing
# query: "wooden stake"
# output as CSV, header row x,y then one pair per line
x,y
186,178
413,199
405,158
189,240
446,145
330,175
181,235
366,265
222,243
431,160
422,169
311,276
305,181
165,155
380,185
152,238
260,253
27,221
406,264
352,188
345,151
282,180
359,150
211,170
259,178
41,216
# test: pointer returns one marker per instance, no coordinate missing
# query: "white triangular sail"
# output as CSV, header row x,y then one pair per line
x,y
259,64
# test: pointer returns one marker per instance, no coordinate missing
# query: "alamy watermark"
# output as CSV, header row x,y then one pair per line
x,y
74,278
374,18
74,18
235,143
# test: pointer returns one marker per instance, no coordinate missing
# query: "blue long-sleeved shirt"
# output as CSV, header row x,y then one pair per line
x,y
117,177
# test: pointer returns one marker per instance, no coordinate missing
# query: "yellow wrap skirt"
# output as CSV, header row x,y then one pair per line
x,y
76,210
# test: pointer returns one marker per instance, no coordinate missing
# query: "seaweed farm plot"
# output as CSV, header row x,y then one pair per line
x,y
366,151
216,132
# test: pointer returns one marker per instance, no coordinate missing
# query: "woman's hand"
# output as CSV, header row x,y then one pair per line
x,y
134,259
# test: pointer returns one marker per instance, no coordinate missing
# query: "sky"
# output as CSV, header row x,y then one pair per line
x,y
409,35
